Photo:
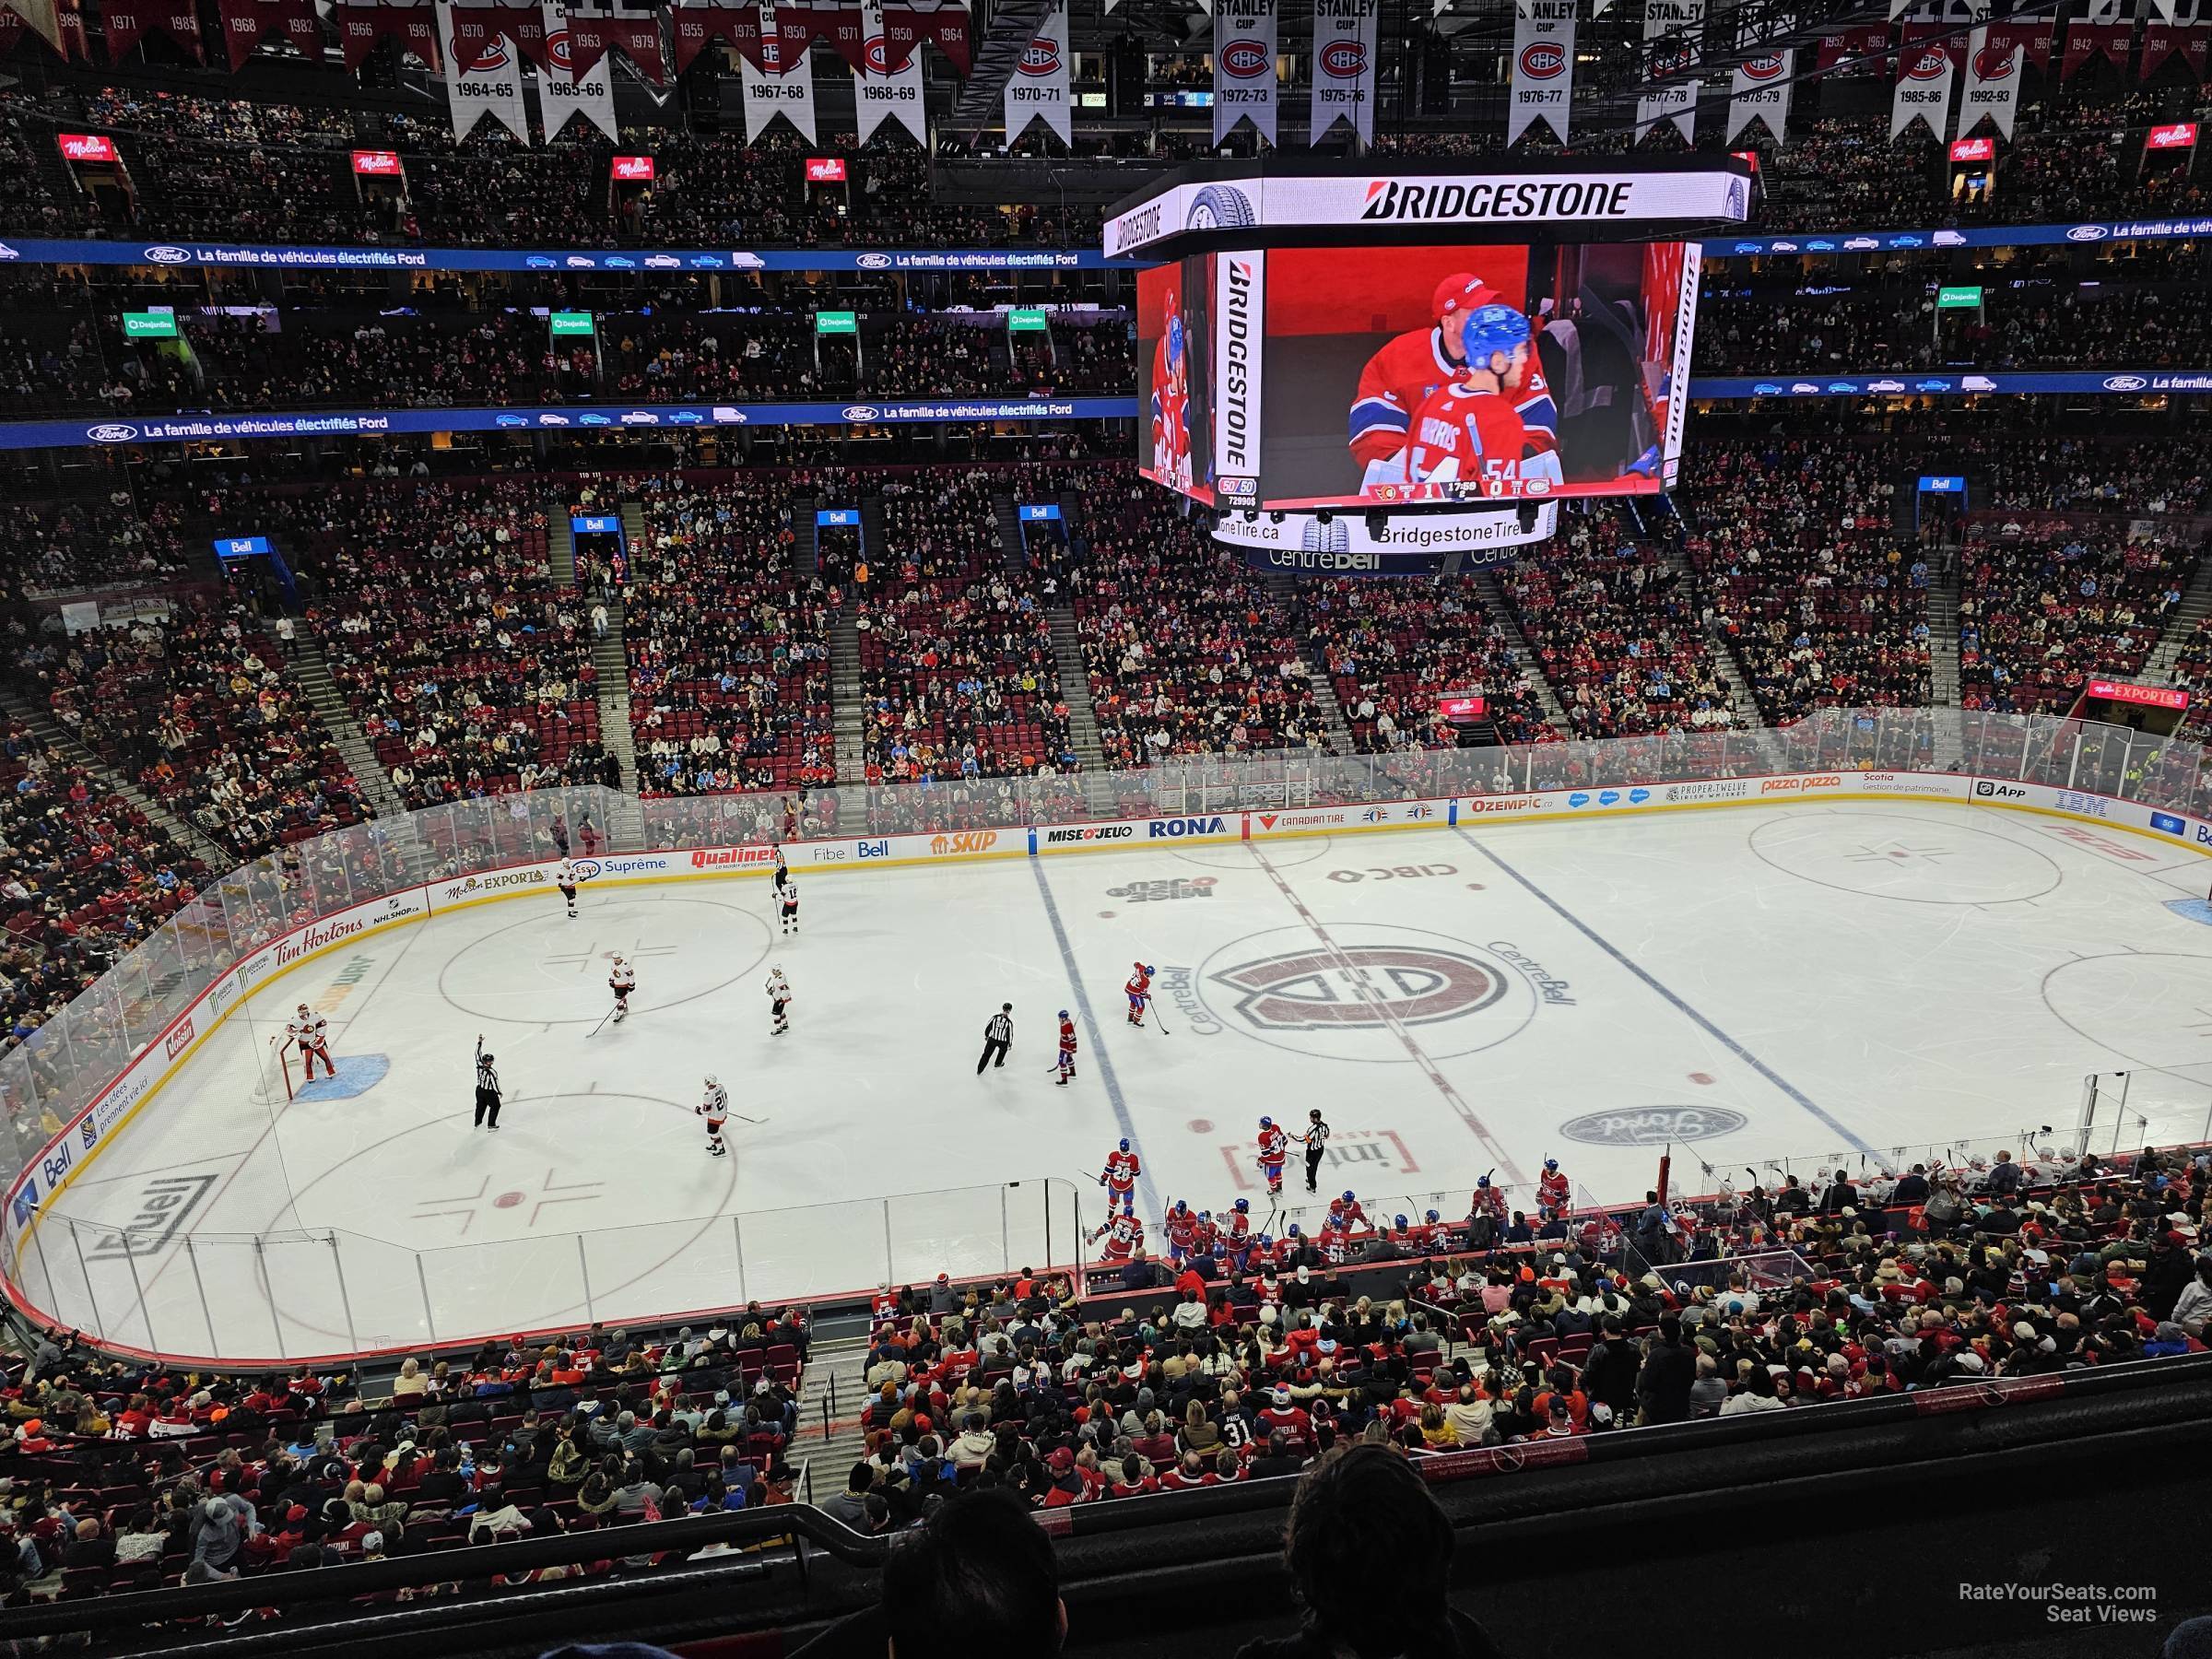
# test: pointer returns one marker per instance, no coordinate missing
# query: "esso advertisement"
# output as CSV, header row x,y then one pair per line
x,y
1974,149
376,164
87,146
824,170
2175,134
634,170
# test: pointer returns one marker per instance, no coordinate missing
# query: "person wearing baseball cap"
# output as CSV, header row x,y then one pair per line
x,y
1414,366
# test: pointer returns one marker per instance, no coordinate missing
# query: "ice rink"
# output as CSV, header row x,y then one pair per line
x,y
1746,984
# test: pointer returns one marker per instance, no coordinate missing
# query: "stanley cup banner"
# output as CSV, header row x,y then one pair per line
x,y
1543,83
559,98
1994,60
782,82
1037,90
1674,30
1759,90
489,83
1925,72
878,91
1343,68
1244,79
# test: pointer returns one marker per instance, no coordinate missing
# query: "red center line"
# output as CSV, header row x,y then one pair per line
x,y
1406,1038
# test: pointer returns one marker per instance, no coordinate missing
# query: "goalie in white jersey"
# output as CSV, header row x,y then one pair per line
x,y
715,1108
310,1034
623,980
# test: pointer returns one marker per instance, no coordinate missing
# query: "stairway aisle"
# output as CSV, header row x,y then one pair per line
x,y
1314,656
2180,626
63,741
835,1368
1500,611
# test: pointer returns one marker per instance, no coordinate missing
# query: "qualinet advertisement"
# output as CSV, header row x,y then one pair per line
x,y
1429,375
1573,197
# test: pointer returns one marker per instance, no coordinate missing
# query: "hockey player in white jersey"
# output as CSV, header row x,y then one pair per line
x,y
790,907
623,980
779,999
564,878
309,1033
715,1108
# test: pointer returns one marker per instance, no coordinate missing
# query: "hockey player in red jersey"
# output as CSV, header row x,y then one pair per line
x,y
1139,989
1353,1212
1275,1149
1468,430
1120,1179
1171,398
1552,1186
1123,1236
1067,1049
1400,378
1488,1200
1236,1237
1182,1228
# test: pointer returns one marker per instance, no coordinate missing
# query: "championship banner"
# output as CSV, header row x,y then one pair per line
x,y
695,28
1673,31
782,82
1992,79
2086,41
247,23
1037,90
561,98
1759,90
2160,42
1925,72
491,85
1343,68
1543,83
123,23
1244,79
1854,46
636,35
906,27
59,29
413,23
879,90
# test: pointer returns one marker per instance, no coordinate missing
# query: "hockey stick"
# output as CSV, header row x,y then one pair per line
x,y
1160,1025
742,1118
603,1020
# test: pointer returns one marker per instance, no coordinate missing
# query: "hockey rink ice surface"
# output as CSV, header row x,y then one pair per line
x,y
1745,983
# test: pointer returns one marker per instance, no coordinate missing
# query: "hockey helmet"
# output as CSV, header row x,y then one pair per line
x,y
1348,1197
1148,970
712,1082
1266,1123
1124,1145
1400,1221
1178,1206
1551,1163
1175,341
1482,1181
1492,331
302,1008
1063,1013
1431,1216
1315,1113
1243,1204
1294,1232
489,1058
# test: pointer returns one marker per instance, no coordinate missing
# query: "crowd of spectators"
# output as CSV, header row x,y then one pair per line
x,y
1801,566
1616,631
103,541
1893,326
1188,651
958,678
1391,649
2043,609
469,669
129,1475
728,643
200,709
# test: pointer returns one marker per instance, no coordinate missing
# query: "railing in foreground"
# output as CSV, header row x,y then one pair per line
x,y
68,1066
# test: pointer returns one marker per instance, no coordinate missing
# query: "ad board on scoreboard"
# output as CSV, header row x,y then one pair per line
x,y
1306,377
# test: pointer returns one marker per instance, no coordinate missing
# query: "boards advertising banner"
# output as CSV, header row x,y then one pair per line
x,y
780,83
1038,90
561,98
879,90
1244,77
1343,68
490,85
1674,30
1543,81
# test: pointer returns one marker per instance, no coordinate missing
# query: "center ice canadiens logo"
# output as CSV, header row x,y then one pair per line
x,y
1366,993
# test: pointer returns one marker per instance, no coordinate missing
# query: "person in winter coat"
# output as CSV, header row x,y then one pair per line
x,y
219,1531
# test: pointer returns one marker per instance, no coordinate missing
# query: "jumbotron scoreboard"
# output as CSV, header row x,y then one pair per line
x,y
1335,358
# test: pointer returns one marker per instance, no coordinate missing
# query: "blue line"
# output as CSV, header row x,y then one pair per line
x,y
1696,1018
1098,1041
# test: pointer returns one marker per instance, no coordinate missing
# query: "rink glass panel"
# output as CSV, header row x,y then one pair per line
x,y
325,1293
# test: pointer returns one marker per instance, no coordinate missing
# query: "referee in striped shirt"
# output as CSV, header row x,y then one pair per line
x,y
998,1036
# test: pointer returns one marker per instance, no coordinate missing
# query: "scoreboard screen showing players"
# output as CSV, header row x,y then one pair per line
x,y
1388,376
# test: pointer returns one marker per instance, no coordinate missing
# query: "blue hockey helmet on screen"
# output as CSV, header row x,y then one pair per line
x,y
1492,331
1175,340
